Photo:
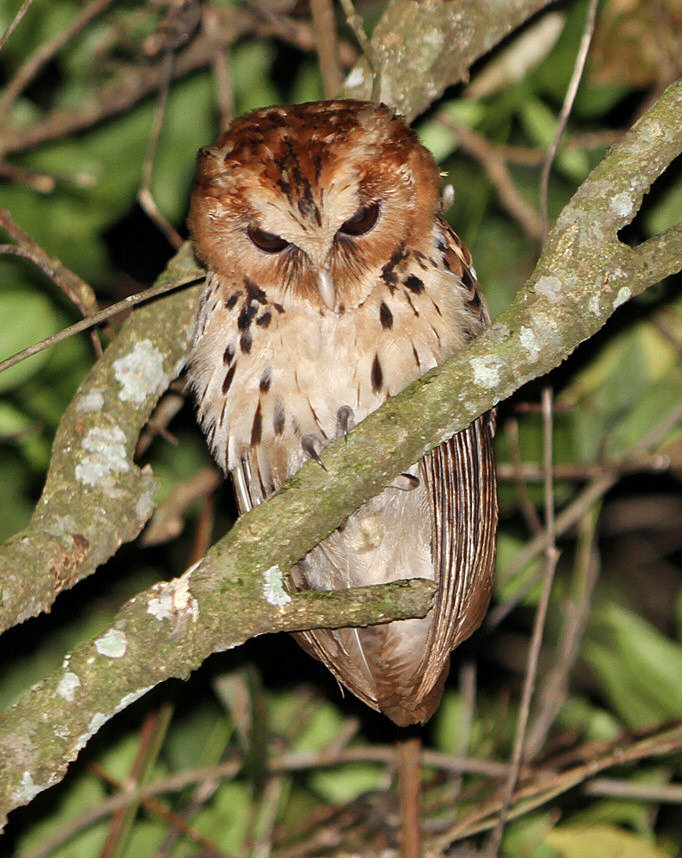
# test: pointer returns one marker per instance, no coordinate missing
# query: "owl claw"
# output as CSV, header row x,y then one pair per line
x,y
309,442
409,483
345,418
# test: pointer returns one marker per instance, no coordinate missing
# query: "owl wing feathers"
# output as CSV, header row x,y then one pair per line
x,y
460,477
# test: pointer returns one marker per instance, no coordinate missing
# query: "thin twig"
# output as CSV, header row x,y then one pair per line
x,y
144,195
467,691
357,25
326,42
409,788
570,516
555,686
96,318
44,183
614,788
157,424
531,472
152,733
552,556
566,108
154,807
543,786
220,62
14,23
493,163
45,52
168,520
76,290
526,505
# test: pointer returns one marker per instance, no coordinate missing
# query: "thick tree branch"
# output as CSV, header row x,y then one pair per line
x,y
413,46
584,275
95,497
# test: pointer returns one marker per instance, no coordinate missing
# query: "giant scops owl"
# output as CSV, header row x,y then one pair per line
x,y
333,282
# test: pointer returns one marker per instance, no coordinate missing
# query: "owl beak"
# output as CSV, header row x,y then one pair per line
x,y
325,286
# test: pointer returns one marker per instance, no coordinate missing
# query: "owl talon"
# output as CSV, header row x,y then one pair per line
x,y
345,419
308,442
409,483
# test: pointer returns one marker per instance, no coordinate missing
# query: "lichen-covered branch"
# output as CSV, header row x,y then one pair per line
x,y
167,631
584,275
413,47
95,497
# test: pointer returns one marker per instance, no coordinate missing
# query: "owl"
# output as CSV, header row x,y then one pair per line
x,y
333,281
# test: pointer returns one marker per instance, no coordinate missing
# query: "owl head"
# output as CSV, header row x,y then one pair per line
x,y
313,201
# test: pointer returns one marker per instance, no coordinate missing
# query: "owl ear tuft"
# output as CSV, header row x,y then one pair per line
x,y
211,160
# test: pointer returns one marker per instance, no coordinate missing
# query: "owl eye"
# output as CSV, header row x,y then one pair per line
x,y
362,221
266,241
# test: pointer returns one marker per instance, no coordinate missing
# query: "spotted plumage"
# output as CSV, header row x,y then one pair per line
x,y
333,282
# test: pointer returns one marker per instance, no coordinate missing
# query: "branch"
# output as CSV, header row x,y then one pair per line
x,y
95,498
413,47
582,277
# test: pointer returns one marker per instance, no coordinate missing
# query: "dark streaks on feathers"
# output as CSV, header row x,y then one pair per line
x,y
385,316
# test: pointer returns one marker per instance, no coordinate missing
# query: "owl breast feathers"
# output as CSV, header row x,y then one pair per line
x,y
333,282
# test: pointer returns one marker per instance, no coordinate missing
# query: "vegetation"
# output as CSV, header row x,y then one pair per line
x,y
256,753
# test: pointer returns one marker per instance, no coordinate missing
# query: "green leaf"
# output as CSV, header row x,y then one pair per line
x,y
439,139
602,841
540,124
225,818
639,668
28,316
346,783
667,210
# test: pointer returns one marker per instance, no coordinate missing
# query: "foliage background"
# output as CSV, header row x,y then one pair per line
x,y
617,597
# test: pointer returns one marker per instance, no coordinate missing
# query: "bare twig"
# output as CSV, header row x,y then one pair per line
x,y
467,690
152,805
220,61
168,519
613,788
324,28
96,318
530,472
410,797
44,54
525,503
357,25
571,514
554,688
548,783
493,163
552,556
14,23
157,424
566,108
44,183
144,195
152,733
76,290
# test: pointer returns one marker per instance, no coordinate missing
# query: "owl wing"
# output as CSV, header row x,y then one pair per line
x,y
459,480
462,488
